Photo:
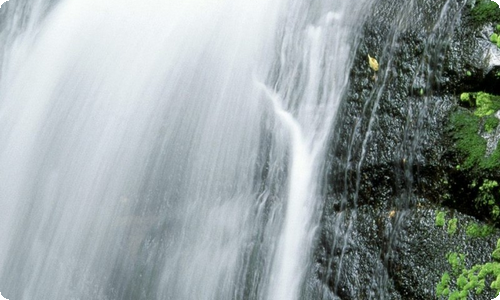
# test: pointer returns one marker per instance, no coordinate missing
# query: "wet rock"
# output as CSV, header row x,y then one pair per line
x,y
391,164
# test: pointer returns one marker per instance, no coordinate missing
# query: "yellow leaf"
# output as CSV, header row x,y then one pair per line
x,y
373,63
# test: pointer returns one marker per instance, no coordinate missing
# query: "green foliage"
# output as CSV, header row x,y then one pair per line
x,y
467,126
443,287
491,123
496,254
440,219
488,185
485,11
471,145
465,98
468,73
452,226
465,281
456,261
486,104
452,223
475,230
494,38
488,195
491,162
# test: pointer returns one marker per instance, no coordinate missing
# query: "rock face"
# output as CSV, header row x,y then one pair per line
x,y
393,165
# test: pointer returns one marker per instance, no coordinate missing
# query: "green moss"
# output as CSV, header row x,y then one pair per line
x,y
466,127
496,253
488,185
487,197
494,38
471,145
490,123
456,261
455,296
486,104
481,284
485,11
452,226
440,219
465,98
475,230
465,281
462,282
443,287
491,162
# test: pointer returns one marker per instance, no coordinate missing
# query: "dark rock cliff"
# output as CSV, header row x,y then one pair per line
x,y
393,163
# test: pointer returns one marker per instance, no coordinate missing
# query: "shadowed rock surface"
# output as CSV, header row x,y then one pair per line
x,y
395,167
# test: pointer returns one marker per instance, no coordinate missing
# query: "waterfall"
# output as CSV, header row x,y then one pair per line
x,y
167,149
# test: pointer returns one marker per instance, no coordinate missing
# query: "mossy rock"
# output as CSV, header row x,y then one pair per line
x,y
463,281
485,11
475,230
466,126
491,123
470,145
479,167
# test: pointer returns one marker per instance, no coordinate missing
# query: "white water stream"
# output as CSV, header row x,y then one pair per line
x,y
166,149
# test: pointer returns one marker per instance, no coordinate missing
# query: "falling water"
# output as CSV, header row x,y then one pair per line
x,y
307,108
166,149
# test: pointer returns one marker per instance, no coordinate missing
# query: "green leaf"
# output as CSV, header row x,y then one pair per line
x,y
494,38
